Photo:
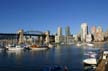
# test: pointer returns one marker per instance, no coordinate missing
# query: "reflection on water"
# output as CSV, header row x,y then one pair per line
x,y
62,55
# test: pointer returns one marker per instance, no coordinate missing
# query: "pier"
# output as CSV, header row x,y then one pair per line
x,y
103,65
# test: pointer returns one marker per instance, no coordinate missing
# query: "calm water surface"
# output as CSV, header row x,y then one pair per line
x,y
70,56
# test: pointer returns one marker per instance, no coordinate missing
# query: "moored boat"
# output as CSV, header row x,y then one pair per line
x,y
90,61
93,57
13,47
78,44
39,47
105,54
50,46
90,44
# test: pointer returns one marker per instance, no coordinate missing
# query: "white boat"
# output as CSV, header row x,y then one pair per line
x,y
105,54
93,57
90,44
14,48
50,46
78,44
90,61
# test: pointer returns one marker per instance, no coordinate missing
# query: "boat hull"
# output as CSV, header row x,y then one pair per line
x,y
15,49
90,45
91,61
39,48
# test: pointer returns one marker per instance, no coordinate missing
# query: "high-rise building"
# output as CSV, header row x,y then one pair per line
x,y
99,36
99,29
84,31
89,37
93,30
58,37
59,31
67,31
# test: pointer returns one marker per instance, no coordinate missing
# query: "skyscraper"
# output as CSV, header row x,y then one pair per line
x,y
67,31
59,31
93,30
84,31
58,37
99,34
99,29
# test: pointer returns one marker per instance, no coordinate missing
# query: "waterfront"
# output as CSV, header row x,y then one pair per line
x,y
70,56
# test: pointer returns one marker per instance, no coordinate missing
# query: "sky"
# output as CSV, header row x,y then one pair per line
x,y
46,15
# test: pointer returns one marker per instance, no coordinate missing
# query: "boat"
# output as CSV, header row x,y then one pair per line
x,y
90,68
90,61
105,51
13,47
26,46
105,54
93,57
90,44
78,44
50,46
39,47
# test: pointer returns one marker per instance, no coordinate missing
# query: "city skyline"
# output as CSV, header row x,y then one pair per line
x,y
50,14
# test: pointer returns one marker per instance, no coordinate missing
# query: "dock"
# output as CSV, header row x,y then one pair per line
x,y
103,65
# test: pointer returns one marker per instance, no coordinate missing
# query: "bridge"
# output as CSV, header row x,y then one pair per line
x,y
19,36
27,33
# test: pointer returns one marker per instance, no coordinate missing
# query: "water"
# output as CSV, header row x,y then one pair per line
x,y
70,56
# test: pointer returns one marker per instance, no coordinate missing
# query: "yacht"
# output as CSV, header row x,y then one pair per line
x,y
13,47
90,61
93,57
39,47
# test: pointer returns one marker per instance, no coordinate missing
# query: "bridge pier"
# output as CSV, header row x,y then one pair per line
x,y
21,37
47,38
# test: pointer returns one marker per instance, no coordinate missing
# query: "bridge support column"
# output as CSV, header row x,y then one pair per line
x,y
47,38
21,37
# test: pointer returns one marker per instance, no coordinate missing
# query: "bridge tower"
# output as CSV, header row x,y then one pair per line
x,y
47,38
21,36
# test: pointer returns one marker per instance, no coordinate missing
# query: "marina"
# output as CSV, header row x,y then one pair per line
x,y
53,35
56,58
